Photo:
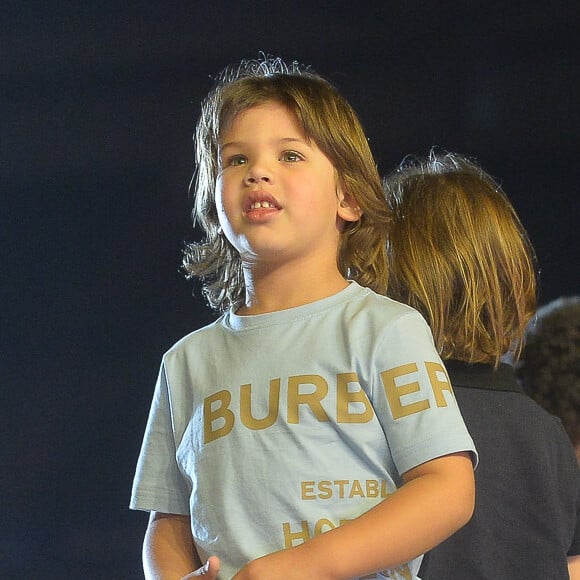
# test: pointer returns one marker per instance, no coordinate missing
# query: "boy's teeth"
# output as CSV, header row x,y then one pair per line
x,y
259,204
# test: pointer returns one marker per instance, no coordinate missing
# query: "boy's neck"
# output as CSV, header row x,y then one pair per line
x,y
273,289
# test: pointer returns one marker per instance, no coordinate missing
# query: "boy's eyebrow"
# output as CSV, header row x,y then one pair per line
x,y
283,141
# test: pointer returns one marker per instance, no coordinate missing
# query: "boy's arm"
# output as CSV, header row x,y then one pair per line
x,y
574,567
436,499
168,549
209,570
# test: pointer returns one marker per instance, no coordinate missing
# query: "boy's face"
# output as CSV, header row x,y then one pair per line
x,y
277,195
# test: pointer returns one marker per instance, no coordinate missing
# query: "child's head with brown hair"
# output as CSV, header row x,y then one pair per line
x,y
549,366
459,254
326,119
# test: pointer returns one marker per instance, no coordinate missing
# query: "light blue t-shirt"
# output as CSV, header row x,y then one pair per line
x,y
273,428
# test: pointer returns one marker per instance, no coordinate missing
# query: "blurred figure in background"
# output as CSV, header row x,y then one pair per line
x,y
549,366
459,255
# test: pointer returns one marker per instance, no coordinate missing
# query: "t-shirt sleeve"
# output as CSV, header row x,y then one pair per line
x,y
414,398
159,484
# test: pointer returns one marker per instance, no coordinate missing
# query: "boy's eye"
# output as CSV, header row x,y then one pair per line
x,y
291,156
236,160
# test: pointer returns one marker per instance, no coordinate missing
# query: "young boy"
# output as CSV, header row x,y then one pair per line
x,y
310,432
459,254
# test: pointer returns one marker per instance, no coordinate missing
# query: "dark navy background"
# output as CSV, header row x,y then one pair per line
x,y
97,107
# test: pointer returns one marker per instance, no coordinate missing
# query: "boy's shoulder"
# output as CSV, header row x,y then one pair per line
x,y
381,305
199,335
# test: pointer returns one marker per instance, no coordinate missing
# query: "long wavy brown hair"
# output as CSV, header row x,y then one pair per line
x,y
326,118
459,254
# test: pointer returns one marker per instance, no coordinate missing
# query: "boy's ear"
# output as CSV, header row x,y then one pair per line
x,y
348,209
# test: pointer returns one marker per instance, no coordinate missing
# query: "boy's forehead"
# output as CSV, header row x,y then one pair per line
x,y
266,111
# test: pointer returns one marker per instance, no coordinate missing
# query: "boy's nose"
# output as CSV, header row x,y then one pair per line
x,y
257,173
251,179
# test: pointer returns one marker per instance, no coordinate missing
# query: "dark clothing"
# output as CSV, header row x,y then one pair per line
x,y
527,511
